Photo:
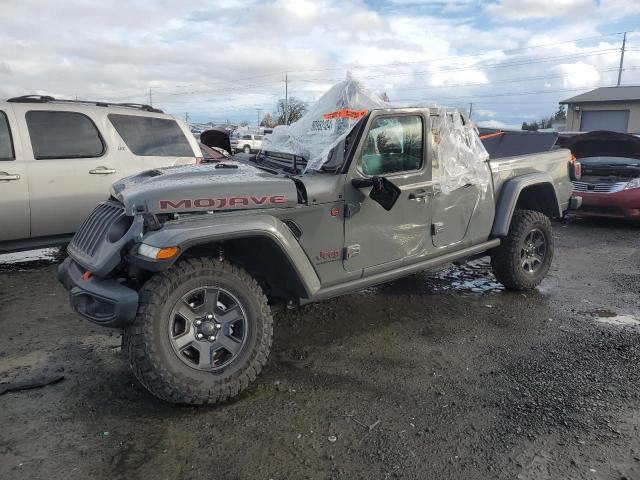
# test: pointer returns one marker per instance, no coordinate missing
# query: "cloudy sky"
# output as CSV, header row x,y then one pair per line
x,y
226,59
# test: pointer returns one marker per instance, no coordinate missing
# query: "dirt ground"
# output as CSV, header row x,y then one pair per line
x,y
440,376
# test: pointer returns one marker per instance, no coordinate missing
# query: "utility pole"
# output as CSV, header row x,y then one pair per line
x,y
259,110
150,98
286,98
470,109
186,117
624,42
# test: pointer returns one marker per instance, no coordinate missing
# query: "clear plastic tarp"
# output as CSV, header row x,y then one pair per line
x,y
325,124
459,152
456,147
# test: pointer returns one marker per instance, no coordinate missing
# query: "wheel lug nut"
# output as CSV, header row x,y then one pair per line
x,y
218,325
212,338
209,316
198,322
199,335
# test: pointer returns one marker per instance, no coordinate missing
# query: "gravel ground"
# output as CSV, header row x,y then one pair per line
x,y
433,376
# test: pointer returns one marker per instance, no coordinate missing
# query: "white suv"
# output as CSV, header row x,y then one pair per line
x,y
58,159
246,142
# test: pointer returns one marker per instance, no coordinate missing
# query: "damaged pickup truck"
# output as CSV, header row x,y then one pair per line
x,y
189,261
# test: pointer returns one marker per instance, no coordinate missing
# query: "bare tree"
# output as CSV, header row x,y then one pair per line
x,y
244,123
295,109
267,121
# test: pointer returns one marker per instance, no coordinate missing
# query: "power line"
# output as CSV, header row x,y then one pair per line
x,y
451,98
509,80
497,65
472,54
449,86
418,73
510,94
367,67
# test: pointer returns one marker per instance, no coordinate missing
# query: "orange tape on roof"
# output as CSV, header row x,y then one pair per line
x,y
345,113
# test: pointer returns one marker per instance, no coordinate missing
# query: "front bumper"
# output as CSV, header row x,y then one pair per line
x,y
103,301
623,204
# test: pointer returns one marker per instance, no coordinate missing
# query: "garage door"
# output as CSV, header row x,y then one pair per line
x,y
612,120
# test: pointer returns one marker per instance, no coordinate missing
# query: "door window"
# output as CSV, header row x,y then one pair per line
x,y
63,135
6,144
151,136
393,144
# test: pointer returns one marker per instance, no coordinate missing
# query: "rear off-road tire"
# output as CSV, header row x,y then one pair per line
x,y
246,149
524,257
197,374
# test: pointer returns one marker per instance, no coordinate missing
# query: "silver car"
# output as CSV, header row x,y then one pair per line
x,y
59,158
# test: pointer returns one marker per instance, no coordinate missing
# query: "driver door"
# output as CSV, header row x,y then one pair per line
x,y
394,147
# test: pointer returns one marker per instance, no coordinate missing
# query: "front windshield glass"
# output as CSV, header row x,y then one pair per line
x,y
609,161
327,122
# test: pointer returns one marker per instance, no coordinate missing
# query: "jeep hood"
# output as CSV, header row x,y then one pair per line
x,y
192,188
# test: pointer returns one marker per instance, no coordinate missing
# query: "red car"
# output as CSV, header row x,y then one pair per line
x,y
609,183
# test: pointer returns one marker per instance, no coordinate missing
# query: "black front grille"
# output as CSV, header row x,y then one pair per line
x,y
95,228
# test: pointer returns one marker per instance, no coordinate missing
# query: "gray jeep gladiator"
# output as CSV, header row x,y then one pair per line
x,y
189,261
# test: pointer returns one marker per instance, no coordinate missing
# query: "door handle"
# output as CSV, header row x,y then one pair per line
x,y
9,176
419,195
102,171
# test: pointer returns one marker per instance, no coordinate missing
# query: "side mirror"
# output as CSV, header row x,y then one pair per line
x,y
382,190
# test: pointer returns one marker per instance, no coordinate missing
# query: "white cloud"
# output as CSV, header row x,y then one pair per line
x,y
485,113
226,60
619,8
579,74
454,78
539,9
498,125
571,11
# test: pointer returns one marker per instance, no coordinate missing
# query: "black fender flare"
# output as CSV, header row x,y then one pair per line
x,y
224,229
510,194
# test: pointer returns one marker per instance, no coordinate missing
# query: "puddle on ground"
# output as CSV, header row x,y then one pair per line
x,y
472,278
607,316
42,257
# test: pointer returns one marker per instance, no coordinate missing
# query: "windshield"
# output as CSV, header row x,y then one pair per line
x,y
609,161
314,137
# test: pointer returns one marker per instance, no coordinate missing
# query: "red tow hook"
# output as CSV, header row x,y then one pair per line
x,y
86,275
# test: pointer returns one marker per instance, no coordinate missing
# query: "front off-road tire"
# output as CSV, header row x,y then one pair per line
x,y
524,257
202,332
